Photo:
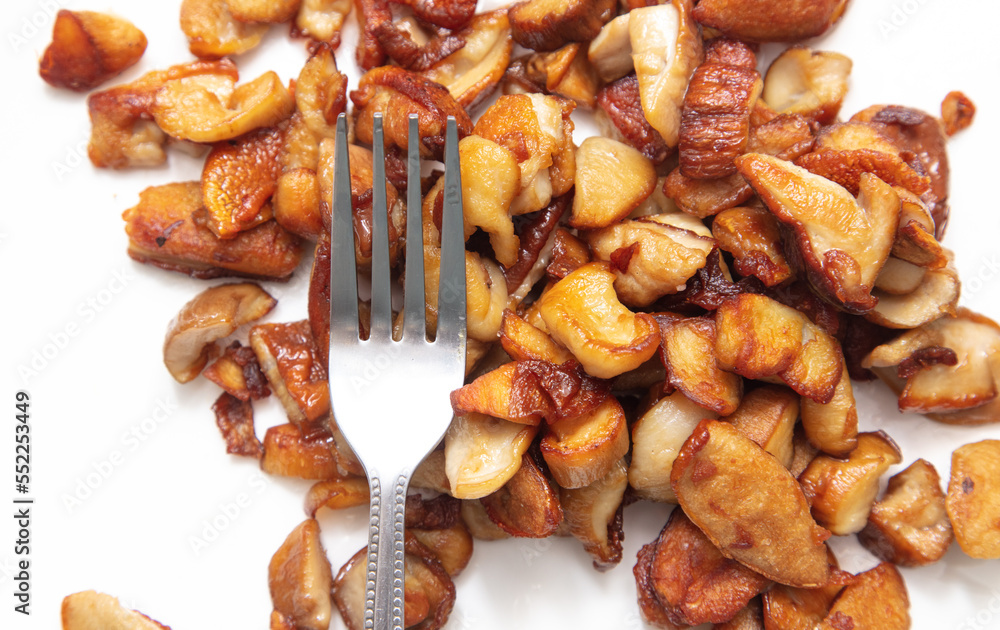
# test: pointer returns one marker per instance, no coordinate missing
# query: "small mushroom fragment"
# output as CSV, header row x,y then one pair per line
x,y
263,11
212,110
842,491
550,24
452,545
873,599
496,394
666,49
657,438
482,453
789,608
321,93
957,112
582,312
491,179
338,493
620,117
715,118
949,366
523,341
593,515
909,526
290,453
841,242
973,500
472,72
238,372
527,506
88,48
753,237
234,417
565,72
213,32
611,179
807,82
765,21
450,14
211,315
290,359
767,415
769,528
691,579
569,253
581,450
935,296
90,610
687,349
479,524
322,20
299,578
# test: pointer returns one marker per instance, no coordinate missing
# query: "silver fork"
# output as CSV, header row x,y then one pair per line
x,y
391,398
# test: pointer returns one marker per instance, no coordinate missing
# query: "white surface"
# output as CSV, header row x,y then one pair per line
x,y
62,247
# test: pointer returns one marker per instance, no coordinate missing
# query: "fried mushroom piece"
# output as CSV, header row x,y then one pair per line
x,y
765,21
873,599
691,579
527,505
842,491
565,72
452,546
583,449
620,117
209,316
321,20
524,341
957,112
687,349
450,14
715,117
338,493
289,452
123,133
472,72
610,52
909,526
769,528
972,502
593,515
90,610
491,179
767,415
234,417
238,372
666,49
841,242
300,578
807,82
291,361
396,93
949,366
611,180
752,236
583,313
167,229
263,11
88,48
832,427
550,24
789,608
482,453
213,32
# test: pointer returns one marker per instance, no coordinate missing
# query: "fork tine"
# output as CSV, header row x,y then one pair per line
x,y
451,293
343,286
381,317
414,320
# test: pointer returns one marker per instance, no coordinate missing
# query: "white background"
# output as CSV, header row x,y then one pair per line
x,y
62,245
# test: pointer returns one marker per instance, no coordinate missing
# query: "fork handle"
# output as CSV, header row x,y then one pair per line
x,y
384,586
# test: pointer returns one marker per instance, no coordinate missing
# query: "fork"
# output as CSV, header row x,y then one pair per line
x,y
391,398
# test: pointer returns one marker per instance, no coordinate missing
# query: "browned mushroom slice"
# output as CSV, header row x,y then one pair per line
x,y
473,72
209,109
957,112
322,20
612,179
290,453
211,315
653,613
593,515
482,453
498,395
693,581
769,530
450,14
842,242
845,167
90,610
238,372
715,118
551,24
565,72
935,296
583,449
213,32
842,491
523,341
321,92
527,506
789,608
832,426
874,599
666,49
337,494
583,313
263,11
396,93
807,82
620,117
753,237
234,417
409,46
949,364
764,21
290,359
767,415
973,501
123,133
300,578
452,546
88,48
909,526
687,349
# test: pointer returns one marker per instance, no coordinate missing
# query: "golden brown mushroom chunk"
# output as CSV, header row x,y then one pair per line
x,y
550,24
90,610
593,515
89,48
873,599
811,83
213,32
289,357
973,500
300,578
769,21
472,72
290,453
